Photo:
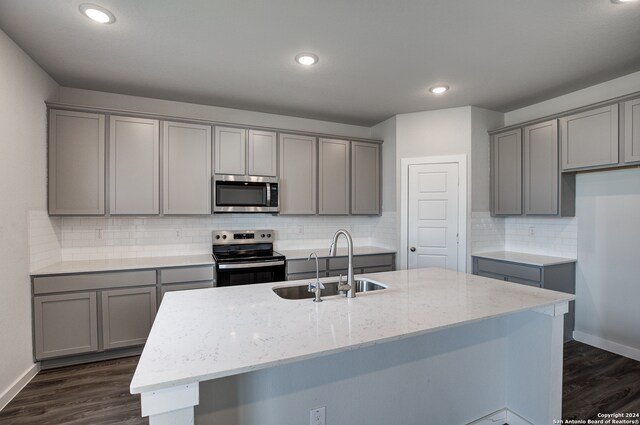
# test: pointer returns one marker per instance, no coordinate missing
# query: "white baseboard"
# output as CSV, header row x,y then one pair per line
x,y
501,417
18,385
604,344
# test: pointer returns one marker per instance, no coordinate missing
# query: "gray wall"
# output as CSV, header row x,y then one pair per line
x,y
24,87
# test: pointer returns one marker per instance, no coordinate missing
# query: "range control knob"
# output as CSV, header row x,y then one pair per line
x,y
268,235
262,235
217,236
224,236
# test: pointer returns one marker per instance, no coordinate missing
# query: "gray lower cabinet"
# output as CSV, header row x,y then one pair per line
x,y
186,168
506,173
365,178
333,176
134,165
185,278
298,174
92,313
230,150
590,139
632,131
556,277
262,156
127,316
65,324
76,163
334,266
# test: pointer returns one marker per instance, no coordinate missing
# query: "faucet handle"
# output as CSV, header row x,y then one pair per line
x,y
313,285
342,287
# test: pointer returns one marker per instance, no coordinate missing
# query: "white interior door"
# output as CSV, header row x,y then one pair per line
x,y
433,216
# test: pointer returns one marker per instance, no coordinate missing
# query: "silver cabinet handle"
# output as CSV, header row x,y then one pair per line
x,y
249,265
412,249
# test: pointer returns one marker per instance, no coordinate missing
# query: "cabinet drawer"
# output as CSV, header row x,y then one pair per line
x,y
304,266
306,276
377,269
186,274
509,269
361,261
92,281
184,287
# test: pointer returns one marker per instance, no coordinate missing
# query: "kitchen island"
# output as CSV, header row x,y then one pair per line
x,y
435,347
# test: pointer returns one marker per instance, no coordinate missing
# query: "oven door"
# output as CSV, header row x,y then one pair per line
x,y
232,274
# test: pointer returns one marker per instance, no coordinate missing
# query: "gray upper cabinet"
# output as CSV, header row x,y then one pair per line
x,y
134,147
186,168
298,174
76,163
632,131
262,153
333,164
541,169
230,150
127,316
590,139
506,173
365,178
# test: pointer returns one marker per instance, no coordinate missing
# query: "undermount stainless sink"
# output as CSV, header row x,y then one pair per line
x,y
299,292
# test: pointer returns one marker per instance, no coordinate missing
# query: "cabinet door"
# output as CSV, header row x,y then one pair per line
x,y
365,178
229,150
186,168
134,166
127,316
334,177
541,169
298,174
262,157
506,173
65,324
590,139
632,131
76,163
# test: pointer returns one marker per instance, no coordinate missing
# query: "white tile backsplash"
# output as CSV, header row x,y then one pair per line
x,y
45,235
542,235
84,238
487,233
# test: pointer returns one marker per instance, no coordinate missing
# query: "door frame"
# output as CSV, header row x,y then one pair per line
x,y
461,161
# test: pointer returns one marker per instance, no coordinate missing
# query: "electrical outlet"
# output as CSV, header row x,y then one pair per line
x,y
317,416
178,233
301,230
532,231
99,234
351,228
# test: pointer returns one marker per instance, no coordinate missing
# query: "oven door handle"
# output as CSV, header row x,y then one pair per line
x,y
250,265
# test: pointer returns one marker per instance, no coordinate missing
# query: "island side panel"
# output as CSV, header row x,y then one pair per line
x,y
456,375
535,364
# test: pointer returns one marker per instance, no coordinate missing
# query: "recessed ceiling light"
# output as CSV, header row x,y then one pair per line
x,y
438,89
97,13
307,59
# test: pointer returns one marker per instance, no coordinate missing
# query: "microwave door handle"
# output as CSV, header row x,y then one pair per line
x,y
268,194
250,265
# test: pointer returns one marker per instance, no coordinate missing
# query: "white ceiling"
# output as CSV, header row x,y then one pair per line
x,y
377,58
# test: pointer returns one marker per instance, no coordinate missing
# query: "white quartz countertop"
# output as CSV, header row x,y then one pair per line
x,y
524,258
211,333
88,266
303,254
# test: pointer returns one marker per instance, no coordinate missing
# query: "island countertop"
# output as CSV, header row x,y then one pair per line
x,y
212,333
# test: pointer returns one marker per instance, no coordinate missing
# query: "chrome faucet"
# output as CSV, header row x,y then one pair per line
x,y
317,286
350,287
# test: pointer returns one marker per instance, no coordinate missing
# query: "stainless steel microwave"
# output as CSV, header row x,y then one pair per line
x,y
244,194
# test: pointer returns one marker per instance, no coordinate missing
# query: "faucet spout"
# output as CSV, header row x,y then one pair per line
x,y
350,286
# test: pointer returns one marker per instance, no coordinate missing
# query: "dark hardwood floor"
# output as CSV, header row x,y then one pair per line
x,y
595,381
94,393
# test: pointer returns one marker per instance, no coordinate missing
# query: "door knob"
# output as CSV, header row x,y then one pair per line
x,y
412,249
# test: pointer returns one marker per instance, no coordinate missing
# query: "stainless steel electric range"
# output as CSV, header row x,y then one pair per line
x,y
245,257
